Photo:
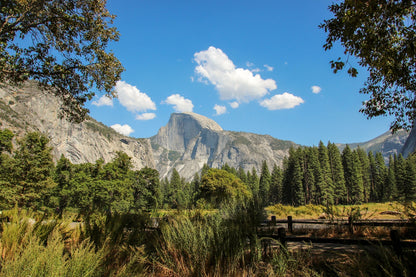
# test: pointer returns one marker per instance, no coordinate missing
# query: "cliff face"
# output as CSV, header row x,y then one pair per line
x,y
387,143
27,109
410,145
190,140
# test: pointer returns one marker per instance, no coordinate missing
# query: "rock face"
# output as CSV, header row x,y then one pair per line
x,y
28,109
387,143
190,140
410,145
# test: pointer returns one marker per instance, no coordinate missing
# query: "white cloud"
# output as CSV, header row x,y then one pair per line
x,y
234,105
282,101
180,104
122,129
268,67
103,101
132,98
232,83
145,116
220,109
316,89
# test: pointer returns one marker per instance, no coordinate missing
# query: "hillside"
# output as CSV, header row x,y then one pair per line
x,y
27,109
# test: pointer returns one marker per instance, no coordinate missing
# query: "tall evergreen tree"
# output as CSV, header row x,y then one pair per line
x,y
264,184
327,189
390,182
357,189
253,182
276,185
348,163
242,175
308,175
337,174
409,189
400,176
380,177
34,166
365,173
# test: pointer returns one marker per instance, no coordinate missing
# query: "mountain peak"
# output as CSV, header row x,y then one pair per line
x,y
204,122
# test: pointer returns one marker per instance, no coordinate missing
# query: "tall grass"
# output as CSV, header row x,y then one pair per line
x,y
30,248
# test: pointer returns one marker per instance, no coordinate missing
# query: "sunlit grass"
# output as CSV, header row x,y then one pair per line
x,y
388,210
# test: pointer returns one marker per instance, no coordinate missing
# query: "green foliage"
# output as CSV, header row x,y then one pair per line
x,y
219,186
26,253
61,44
100,128
381,34
6,137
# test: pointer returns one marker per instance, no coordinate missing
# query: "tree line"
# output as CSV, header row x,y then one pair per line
x,y
320,175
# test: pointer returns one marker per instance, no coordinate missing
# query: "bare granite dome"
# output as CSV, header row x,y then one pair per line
x,y
203,121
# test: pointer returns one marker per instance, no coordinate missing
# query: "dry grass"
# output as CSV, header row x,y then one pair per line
x,y
388,210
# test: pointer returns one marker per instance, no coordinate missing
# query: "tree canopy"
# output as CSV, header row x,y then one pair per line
x,y
62,45
382,35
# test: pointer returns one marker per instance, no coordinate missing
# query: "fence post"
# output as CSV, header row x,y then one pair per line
x,y
350,225
290,224
282,236
395,239
273,220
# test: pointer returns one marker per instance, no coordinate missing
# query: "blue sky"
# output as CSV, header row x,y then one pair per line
x,y
252,66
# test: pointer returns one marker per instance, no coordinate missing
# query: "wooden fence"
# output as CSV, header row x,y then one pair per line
x,y
395,241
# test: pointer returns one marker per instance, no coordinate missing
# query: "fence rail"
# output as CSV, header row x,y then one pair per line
x,y
395,240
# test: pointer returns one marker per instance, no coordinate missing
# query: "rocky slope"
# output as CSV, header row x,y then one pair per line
x,y
387,143
410,146
28,109
190,140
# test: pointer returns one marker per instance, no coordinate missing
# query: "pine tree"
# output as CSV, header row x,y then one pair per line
x,y
276,185
242,175
365,173
381,172
288,177
327,189
357,189
253,182
264,184
337,174
297,184
409,189
400,176
308,175
347,163
316,191
34,166
390,182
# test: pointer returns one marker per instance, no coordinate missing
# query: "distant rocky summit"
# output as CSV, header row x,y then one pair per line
x,y
387,143
186,143
190,140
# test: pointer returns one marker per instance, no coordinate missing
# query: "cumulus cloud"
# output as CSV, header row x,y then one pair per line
x,y
122,129
180,104
103,101
145,116
316,89
268,67
232,83
234,105
282,101
220,109
132,98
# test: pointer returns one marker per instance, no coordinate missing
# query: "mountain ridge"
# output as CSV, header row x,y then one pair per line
x,y
186,143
